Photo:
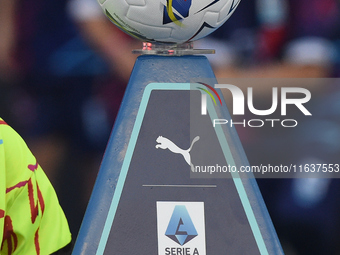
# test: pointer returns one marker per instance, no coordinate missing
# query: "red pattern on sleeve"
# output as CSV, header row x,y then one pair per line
x,y
9,236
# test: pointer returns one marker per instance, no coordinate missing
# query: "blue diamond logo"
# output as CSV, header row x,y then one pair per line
x,y
180,228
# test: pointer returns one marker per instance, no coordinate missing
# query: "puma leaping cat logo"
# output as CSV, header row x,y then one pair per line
x,y
165,143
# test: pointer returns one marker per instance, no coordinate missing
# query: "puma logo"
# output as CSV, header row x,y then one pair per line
x,y
165,143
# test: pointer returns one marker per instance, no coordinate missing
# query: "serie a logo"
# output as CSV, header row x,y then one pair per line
x,y
181,228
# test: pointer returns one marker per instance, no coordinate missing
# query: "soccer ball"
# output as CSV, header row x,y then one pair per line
x,y
168,21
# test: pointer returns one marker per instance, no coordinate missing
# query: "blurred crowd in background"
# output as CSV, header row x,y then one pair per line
x,y
64,68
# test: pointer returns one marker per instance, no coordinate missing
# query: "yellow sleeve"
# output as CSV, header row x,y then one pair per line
x,y
33,221
2,188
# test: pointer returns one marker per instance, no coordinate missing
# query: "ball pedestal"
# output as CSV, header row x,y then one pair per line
x,y
146,199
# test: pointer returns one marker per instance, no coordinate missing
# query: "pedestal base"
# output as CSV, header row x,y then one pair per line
x,y
145,200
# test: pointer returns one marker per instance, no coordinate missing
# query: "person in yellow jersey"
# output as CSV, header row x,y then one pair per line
x,y
31,219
